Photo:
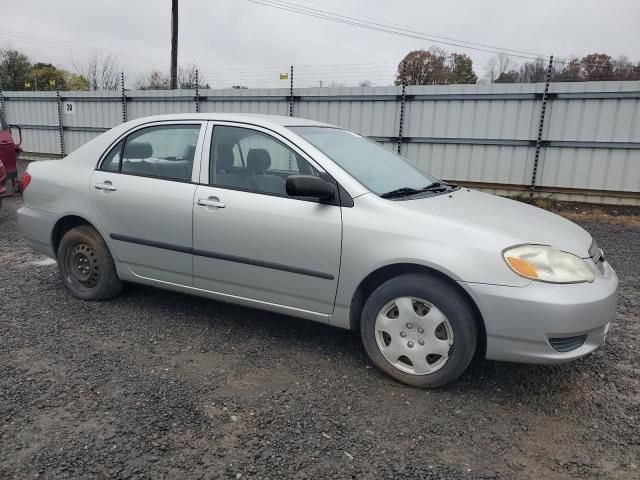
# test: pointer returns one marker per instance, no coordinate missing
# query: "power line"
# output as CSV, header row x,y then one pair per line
x,y
354,21
75,47
378,22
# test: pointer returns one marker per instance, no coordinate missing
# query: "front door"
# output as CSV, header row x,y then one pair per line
x,y
143,196
252,240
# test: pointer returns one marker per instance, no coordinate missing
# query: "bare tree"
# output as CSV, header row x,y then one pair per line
x,y
498,66
623,69
153,80
365,83
535,71
435,67
187,76
159,80
597,66
101,70
424,67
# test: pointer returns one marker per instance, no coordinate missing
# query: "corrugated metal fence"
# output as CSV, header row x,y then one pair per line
x,y
479,135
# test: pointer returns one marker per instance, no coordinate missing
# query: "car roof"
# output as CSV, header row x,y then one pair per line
x,y
256,119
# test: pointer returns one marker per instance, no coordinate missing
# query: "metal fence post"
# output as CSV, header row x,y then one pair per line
x,y
197,94
403,99
123,98
291,93
1,98
60,126
536,159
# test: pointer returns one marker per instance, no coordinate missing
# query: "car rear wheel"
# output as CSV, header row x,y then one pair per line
x,y
420,330
86,266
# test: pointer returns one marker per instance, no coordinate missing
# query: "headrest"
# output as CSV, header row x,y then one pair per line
x,y
138,150
225,158
258,160
189,152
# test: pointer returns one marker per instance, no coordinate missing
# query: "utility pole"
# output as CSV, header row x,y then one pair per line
x,y
174,44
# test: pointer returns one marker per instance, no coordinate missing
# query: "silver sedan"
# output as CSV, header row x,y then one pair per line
x,y
310,220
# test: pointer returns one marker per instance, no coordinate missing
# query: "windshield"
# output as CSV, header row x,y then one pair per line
x,y
374,166
3,122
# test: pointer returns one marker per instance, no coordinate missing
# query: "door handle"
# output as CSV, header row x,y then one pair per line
x,y
211,202
105,186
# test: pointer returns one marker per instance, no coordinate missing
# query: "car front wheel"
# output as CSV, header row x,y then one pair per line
x,y
86,266
420,330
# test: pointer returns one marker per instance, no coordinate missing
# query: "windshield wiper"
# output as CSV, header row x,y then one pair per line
x,y
408,191
437,186
402,192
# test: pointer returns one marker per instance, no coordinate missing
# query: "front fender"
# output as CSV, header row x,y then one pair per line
x,y
374,238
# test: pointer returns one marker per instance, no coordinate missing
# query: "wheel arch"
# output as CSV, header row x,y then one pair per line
x,y
377,277
63,225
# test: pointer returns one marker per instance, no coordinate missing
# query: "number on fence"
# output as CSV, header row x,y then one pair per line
x,y
69,108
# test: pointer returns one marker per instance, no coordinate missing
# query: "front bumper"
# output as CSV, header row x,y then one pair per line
x,y
520,321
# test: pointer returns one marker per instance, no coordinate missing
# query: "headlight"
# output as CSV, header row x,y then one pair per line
x,y
547,264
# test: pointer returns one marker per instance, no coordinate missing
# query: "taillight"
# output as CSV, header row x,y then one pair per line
x,y
26,180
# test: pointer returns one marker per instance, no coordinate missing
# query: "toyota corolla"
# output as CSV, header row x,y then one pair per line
x,y
314,221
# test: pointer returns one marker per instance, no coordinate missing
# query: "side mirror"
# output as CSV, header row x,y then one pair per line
x,y
309,186
19,136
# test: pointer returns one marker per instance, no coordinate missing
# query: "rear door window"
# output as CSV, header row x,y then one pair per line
x,y
163,151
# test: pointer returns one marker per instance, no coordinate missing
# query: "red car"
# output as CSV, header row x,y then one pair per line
x,y
3,183
8,153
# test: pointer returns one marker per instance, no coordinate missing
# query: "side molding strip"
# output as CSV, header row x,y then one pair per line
x,y
222,256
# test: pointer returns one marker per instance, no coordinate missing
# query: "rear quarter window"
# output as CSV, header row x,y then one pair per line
x,y
111,162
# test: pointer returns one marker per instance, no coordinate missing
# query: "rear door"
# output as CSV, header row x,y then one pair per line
x,y
251,239
143,196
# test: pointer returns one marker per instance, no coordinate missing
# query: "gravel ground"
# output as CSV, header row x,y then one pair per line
x,y
157,384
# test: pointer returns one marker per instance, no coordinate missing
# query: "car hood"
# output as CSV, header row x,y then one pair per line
x,y
520,222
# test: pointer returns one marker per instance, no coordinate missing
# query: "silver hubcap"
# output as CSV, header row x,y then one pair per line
x,y
413,335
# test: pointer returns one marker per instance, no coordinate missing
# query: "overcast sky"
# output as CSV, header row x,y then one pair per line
x,y
239,42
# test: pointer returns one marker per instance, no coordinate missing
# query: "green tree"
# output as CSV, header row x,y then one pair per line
x,y
45,76
14,69
461,69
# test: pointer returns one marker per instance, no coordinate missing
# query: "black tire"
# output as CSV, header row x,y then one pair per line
x,y
445,297
86,266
